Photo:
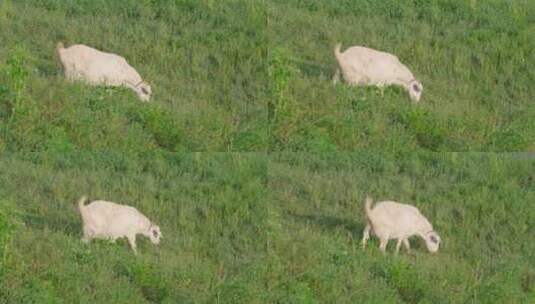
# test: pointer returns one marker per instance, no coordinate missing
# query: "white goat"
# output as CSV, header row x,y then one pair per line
x,y
364,66
107,220
391,220
84,63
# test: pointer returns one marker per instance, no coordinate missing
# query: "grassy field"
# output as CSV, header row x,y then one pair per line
x,y
474,58
246,228
59,140
255,165
481,205
202,58
256,75
210,208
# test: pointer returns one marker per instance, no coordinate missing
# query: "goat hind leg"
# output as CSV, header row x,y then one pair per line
x,y
398,245
336,76
88,235
382,245
366,235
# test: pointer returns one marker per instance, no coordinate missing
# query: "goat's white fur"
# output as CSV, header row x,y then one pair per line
x,y
108,220
392,220
364,66
92,66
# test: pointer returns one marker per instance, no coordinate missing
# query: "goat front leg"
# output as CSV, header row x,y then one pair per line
x,y
407,245
132,242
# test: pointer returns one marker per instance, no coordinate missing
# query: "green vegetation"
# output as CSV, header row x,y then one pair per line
x,y
255,165
481,205
210,208
474,58
202,58
215,64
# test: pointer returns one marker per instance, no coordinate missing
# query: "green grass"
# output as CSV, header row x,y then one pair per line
x,y
256,75
255,165
286,228
210,208
202,58
474,58
481,205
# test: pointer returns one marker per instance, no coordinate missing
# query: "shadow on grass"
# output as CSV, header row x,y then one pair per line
x,y
67,227
330,223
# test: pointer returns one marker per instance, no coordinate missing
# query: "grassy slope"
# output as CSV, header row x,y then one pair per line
x,y
474,58
482,206
210,209
201,58
59,140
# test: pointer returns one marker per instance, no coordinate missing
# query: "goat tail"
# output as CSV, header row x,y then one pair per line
x,y
81,203
337,48
368,206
